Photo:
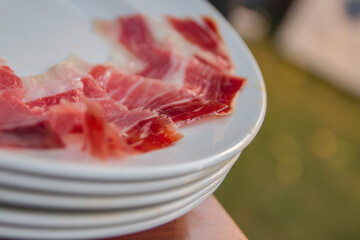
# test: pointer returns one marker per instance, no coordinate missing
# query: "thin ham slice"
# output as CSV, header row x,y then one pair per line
x,y
36,135
136,50
8,80
14,112
144,130
155,41
204,81
19,125
73,95
66,117
185,52
112,130
102,138
135,91
141,130
61,81
92,89
205,35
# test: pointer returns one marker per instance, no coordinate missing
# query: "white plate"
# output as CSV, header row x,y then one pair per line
x,y
22,180
12,231
44,32
75,202
74,220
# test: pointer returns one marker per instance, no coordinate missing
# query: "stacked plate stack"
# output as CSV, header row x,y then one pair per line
x,y
39,206
65,194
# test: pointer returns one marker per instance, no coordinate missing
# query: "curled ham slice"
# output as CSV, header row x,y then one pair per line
x,y
73,95
82,106
60,81
179,51
203,81
155,40
19,125
144,130
103,140
205,35
135,91
66,117
8,80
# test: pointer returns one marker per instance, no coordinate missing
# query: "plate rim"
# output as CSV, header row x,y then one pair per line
x,y
57,186
157,221
67,202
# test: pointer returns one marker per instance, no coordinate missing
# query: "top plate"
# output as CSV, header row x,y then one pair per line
x,y
38,34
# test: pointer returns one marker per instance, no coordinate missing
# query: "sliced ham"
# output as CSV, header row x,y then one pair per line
x,y
8,80
60,81
203,81
92,88
135,91
66,117
73,95
14,112
144,130
156,41
205,35
185,52
19,125
101,138
141,130
37,135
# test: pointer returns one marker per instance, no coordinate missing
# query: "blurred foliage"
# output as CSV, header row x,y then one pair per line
x,y
299,178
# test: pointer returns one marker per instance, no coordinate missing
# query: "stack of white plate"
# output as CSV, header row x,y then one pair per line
x,y
66,194
45,207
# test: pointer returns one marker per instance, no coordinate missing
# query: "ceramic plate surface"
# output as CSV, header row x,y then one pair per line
x,y
73,219
44,32
26,181
12,231
75,202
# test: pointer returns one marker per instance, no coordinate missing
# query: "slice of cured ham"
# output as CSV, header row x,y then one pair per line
x,y
135,48
208,42
45,102
144,130
156,40
103,139
66,117
8,80
178,51
135,91
14,112
141,130
61,81
19,125
204,81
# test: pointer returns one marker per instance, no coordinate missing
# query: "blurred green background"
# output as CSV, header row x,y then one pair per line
x,y
299,178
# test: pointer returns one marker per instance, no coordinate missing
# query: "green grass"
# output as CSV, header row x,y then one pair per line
x,y
300,177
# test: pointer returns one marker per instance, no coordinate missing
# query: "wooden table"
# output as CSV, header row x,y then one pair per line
x,y
208,221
